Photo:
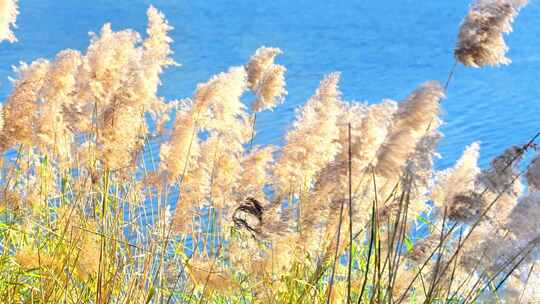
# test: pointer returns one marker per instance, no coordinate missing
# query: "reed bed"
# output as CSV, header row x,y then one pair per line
x,y
112,194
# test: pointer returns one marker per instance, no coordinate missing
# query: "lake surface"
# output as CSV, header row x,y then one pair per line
x,y
383,49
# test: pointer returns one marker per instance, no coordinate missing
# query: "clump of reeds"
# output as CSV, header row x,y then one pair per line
x,y
111,194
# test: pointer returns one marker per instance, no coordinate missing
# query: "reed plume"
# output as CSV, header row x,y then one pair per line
x,y
410,124
8,16
53,128
266,79
20,107
182,149
313,142
455,186
481,35
533,173
256,171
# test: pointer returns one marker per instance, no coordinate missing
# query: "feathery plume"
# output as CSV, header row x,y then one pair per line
x,y
156,52
480,41
520,224
213,177
502,172
272,89
455,187
255,174
259,63
369,126
219,99
20,109
8,17
107,65
157,47
419,168
122,132
223,162
156,55
313,142
120,78
413,119
533,173
265,79
54,132
194,192
182,149
504,231
372,133
497,242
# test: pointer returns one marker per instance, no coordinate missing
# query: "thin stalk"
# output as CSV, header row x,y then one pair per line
x,y
371,240
252,131
101,266
439,258
336,255
349,279
453,270
526,282
210,271
452,70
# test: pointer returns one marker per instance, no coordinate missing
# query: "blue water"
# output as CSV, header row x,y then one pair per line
x,y
383,49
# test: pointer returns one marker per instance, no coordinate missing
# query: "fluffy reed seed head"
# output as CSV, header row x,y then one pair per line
x,y
520,222
502,172
265,79
8,17
182,149
271,91
156,54
314,140
480,41
454,187
21,106
533,173
256,169
53,128
412,121
259,63
219,100
124,84
157,46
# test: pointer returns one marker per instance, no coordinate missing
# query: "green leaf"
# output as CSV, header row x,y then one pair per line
x,y
150,294
424,220
408,243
